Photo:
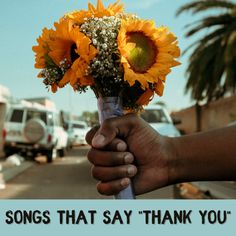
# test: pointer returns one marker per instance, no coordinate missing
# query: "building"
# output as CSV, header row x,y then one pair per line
x,y
210,116
5,97
43,101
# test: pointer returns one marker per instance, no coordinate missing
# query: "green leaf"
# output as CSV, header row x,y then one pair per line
x,y
49,61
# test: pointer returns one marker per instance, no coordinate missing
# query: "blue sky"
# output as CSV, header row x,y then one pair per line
x,y
21,23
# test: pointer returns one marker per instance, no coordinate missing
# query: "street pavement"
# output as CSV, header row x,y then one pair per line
x,y
65,178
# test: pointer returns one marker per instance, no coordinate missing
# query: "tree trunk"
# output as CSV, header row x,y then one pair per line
x,y
198,117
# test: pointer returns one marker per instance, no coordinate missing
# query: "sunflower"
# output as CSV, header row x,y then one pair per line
x,y
42,48
73,46
79,17
147,55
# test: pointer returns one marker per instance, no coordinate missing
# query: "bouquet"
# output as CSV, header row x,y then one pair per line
x,y
124,59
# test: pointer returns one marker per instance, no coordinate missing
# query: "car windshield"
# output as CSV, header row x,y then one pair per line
x,y
78,126
37,114
155,116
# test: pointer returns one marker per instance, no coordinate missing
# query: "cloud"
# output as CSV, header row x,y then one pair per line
x,y
142,4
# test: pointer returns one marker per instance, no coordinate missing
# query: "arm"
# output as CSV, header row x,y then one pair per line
x,y
206,156
158,160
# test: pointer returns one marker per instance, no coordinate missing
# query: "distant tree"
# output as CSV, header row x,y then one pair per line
x,y
211,72
90,117
161,103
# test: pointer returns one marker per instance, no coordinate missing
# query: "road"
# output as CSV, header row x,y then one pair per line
x,y
65,178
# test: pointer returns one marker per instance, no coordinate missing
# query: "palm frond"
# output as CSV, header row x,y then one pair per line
x,y
208,38
212,63
203,74
230,51
198,6
208,22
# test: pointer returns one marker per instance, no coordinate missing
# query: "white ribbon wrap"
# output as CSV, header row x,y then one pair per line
x,y
109,107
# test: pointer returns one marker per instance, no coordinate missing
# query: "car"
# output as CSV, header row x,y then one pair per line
x,y
77,131
32,128
158,117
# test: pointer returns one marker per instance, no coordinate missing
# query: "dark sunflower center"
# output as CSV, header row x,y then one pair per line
x,y
73,54
143,55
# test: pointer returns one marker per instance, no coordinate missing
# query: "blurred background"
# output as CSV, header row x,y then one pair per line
x,y
199,95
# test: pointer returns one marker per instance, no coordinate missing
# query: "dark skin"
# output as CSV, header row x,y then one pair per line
x,y
127,147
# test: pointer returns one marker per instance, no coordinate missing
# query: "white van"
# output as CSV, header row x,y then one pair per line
x,y
77,131
160,120
31,129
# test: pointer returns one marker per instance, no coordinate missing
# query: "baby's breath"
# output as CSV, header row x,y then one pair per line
x,y
53,74
105,67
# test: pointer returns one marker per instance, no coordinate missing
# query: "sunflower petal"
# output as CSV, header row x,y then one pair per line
x,y
66,78
145,98
159,88
100,6
54,88
91,8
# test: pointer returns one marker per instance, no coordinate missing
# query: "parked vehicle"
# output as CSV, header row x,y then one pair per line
x,y
31,129
77,131
160,120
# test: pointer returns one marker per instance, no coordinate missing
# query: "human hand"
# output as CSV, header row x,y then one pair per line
x,y
148,159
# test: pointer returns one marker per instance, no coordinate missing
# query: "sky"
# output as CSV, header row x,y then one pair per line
x,y
21,22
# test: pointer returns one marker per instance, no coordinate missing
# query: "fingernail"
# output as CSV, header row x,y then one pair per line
x,y
131,170
128,159
98,140
121,147
125,182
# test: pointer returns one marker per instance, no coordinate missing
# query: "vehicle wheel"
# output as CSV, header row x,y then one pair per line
x,y
8,152
49,156
35,130
61,152
34,154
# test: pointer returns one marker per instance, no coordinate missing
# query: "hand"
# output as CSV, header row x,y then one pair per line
x,y
148,160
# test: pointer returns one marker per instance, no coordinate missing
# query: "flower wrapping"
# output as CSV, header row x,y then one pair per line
x,y
116,54
110,107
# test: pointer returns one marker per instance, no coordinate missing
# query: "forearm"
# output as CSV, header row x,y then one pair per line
x,y
206,156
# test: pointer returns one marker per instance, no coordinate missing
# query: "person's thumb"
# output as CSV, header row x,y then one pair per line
x,y
90,134
111,128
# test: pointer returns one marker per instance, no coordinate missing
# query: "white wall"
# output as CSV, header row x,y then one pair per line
x,y
5,96
2,117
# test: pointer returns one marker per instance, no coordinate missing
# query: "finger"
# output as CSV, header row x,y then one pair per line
x,y
102,158
117,145
113,187
105,174
114,127
90,134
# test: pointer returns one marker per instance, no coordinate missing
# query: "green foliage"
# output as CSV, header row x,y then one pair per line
x,y
211,72
90,117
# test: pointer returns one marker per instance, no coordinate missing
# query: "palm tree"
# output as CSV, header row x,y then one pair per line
x,y
211,72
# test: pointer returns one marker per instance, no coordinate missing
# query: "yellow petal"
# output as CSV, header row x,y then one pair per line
x,y
145,98
54,88
100,6
91,8
159,88
69,75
